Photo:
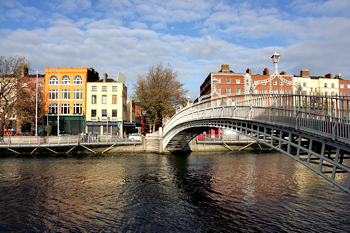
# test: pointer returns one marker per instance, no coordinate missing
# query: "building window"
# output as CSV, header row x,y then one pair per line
x,y
238,81
218,90
256,91
333,93
65,94
94,88
275,83
348,86
348,93
104,114
93,114
325,84
288,83
77,108
264,83
264,91
275,91
78,80
114,114
115,88
281,83
93,99
78,94
64,108
332,85
342,94
304,84
325,93
104,88
53,94
65,80
288,92
281,92
228,80
228,90
53,80
341,86
238,91
104,99
52,108
114,99
218,80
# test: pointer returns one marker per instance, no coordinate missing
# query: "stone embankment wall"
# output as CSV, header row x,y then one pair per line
x,y
154,143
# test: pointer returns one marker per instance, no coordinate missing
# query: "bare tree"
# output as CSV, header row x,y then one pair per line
x,y
159,92
11,69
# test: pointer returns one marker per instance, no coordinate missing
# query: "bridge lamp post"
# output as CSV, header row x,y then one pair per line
x,y
188,100
276,58
214,81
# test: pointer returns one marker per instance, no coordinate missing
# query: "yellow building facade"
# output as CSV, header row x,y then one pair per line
x,y
320,85
65,98
106,111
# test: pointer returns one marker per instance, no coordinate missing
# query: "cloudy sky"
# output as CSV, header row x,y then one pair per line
x,y
193,37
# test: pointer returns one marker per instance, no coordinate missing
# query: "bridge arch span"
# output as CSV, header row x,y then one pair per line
x,y
318,137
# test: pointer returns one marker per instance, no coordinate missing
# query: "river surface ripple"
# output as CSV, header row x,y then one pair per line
x,y
197,192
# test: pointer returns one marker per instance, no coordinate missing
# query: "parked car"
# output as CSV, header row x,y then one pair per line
x,y
20,134
135,137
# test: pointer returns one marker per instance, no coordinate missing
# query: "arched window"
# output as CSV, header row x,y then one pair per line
x,y
65,80
53,80
78,80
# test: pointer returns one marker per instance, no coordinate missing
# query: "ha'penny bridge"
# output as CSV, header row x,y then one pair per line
x,y
313,130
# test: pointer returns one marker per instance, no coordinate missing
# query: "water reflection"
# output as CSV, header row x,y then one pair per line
x,y
195,192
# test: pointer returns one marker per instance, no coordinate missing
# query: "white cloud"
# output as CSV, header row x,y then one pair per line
x,y
131,36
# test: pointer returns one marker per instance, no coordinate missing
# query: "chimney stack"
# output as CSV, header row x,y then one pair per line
x,y
338,76
266,71
283,72
24,71
105,76
329,75
249,71
225,67
304,73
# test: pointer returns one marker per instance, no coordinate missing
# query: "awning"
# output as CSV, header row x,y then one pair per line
x,y
129,124
111,123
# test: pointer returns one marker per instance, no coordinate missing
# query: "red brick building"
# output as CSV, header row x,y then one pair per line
x,y
227,82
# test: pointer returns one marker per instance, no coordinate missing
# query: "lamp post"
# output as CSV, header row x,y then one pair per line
x,y
107,123
36,105
276,58
214,81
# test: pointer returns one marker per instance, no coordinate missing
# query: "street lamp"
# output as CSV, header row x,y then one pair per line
x,y
276,58
214,81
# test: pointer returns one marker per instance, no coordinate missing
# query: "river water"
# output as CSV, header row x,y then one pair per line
x,y
196,192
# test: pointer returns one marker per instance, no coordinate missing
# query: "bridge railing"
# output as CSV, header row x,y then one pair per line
x,y
52,141
324,115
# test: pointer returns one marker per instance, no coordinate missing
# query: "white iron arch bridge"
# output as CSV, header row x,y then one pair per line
x,y
313,130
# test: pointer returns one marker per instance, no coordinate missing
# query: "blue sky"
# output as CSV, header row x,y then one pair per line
x,y
194,37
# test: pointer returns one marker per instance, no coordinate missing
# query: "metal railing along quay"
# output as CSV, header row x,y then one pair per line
x,y
60,141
